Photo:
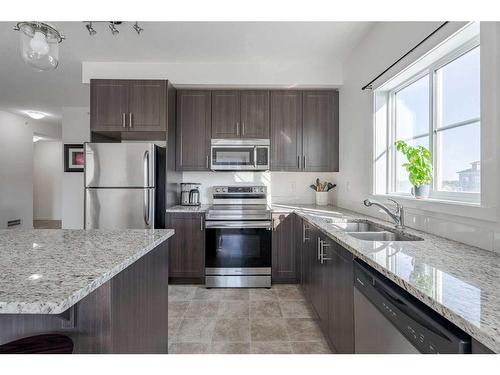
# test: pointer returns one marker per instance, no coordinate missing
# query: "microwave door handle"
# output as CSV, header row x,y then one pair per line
x,y
255,157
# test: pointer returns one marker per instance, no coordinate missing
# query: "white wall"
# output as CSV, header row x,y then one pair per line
x,y
305,74
47,180
385,43
75,129
16,170
283,187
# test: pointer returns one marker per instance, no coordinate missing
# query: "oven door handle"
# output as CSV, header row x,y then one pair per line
x,y
238,224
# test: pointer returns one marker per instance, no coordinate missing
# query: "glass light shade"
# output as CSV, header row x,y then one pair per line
x,y
39,45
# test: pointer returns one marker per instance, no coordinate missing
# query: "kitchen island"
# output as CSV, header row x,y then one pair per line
x,y
105,289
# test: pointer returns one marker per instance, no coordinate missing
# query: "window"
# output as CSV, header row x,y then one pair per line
x,y
438,108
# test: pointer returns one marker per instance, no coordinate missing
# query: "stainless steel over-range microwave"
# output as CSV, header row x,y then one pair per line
x,y
240,154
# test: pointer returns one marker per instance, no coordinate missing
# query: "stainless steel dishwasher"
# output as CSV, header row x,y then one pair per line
x,y
387,319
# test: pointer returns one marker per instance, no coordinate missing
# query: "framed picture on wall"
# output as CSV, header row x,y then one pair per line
x,y
74,159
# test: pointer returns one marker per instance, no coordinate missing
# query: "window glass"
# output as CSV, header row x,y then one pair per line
x,y
459,155
458,89
412,109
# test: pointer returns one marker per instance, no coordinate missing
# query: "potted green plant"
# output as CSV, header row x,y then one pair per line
x,y
419,168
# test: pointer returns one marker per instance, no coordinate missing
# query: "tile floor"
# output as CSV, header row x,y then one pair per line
x,y
242,321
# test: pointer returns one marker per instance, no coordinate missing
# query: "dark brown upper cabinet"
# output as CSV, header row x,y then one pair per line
x,y
108,104
240,114
254,114
320,129
193,130
286,130
128,105
226,114
304,131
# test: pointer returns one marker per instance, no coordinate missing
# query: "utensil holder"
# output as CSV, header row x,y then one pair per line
x,y
322,198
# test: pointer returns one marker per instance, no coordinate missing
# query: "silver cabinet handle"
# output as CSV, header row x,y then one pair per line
x,y
322,246
319,248
298,161
304,163
304,238
243,128
207,162
124,120
237,128
201,223
130,119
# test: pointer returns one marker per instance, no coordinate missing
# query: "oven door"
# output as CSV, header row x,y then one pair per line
x,y
238,248
233,158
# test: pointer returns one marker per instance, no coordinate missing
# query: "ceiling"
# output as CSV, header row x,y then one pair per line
x,y
202,42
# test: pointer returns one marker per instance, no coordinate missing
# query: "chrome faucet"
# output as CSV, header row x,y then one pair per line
x,y
398,216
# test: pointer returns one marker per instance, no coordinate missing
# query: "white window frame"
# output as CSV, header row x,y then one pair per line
x,y
466,197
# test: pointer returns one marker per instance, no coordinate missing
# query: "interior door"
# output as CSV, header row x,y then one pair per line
x,y
119,208
119,165
320,131
286,130
109,101
226,114
193,130
254,105
148,105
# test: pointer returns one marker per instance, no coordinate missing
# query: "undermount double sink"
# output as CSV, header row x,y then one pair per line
x,y
368,231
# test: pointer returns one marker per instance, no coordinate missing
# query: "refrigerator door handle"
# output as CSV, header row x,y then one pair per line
x,y
147,208
146,168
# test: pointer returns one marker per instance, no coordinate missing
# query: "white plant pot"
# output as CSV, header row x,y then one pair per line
x,y
322,198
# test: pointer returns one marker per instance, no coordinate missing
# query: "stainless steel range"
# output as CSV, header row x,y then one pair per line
x,y
238,238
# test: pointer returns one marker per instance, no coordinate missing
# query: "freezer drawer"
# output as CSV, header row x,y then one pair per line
x,y
119,208
121,165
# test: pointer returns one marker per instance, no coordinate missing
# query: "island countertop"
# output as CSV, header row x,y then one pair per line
x,y
458,281
48,271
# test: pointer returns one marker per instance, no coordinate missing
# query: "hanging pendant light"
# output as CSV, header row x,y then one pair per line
x,y
39,45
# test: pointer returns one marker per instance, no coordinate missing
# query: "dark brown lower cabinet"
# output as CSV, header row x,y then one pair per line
x,y
284,251
341,302
327,282
187,248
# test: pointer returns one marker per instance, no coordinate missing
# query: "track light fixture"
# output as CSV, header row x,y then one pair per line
x,y
90,29
137,28
112,27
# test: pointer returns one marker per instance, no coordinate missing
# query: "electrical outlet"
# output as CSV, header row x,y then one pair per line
x,y
348,186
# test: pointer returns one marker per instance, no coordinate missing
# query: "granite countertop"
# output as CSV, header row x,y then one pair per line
x,y
188,209
458,281
46,271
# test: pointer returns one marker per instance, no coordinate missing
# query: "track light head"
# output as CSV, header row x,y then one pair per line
x,y
113,28
137,28
90,29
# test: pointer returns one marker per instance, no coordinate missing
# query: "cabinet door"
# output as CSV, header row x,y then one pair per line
x,y
109,105
341,315
320,131
226,114
193,130
254,106
187,247
147,105
284,261
286,130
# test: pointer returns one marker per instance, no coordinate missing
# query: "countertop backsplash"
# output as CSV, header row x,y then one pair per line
x,y
283,187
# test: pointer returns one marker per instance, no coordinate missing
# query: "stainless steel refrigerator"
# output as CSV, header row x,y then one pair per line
x,y
124,185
